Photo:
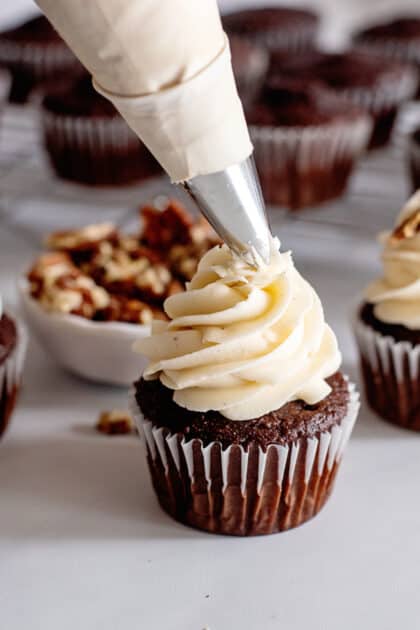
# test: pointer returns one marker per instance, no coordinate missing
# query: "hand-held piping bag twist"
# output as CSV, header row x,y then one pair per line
x,y
241,341
165,64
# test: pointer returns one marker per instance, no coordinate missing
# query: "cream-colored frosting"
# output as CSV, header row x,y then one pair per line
x,y
396,295
242,341
166,67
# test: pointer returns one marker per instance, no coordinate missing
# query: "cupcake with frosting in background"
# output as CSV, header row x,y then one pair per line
x,y
13,342
243,409
388,325
34,53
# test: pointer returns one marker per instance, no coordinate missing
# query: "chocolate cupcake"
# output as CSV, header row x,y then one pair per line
x,y
397,39
5,82
306,141
34,53
243,411
388,325
250,64
275,28
13,343
380,87
88,141
414,157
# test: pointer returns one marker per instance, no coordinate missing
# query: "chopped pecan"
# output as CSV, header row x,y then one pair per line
x,y
124,309
407,229
115,422
162,228
85,237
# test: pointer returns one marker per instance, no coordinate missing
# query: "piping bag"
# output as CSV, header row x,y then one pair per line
x,y
165,65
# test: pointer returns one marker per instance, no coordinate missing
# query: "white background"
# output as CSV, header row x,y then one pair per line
x,y
83,544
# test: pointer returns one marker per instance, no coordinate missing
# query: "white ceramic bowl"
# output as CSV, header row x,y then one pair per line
x,y
97,351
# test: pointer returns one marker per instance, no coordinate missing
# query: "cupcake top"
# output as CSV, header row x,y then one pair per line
x,y
396,295
36,30
402,28
292,102
339,71
243,341
78,98
253,21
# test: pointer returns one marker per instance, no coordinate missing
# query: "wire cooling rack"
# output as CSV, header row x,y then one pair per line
x,y
33,201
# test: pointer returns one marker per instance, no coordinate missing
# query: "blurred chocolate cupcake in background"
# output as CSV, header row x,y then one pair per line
x,y
88,141
34,53
5,82
414,158
379,86
306,141
250,64
13,342
398,39
276,28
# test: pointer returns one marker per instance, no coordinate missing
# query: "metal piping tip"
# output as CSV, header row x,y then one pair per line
x,y
232,202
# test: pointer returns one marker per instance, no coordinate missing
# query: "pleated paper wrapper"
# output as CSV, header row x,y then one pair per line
x,y
244,492
11,375
391,372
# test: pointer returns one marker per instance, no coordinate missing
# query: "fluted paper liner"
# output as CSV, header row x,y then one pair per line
x,y
395,49
95,150
414,162
306,166
391,372
382,102
297,38
10,376
244,492
32,63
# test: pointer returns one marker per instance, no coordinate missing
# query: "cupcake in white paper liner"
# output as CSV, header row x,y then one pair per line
x,y
377,86
13,344
88,142
242,491
307,156
242,409
398,39
382,101
413,157
35,54
391,372
387,325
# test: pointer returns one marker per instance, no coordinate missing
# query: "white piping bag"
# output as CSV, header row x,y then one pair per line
x,y
165,65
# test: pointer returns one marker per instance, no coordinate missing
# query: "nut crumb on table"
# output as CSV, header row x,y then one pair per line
x,y
115,422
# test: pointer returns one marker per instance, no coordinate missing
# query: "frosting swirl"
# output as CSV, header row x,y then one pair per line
x,y
396,295
242,341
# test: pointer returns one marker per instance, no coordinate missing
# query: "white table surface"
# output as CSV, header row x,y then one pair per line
x,y
83,543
